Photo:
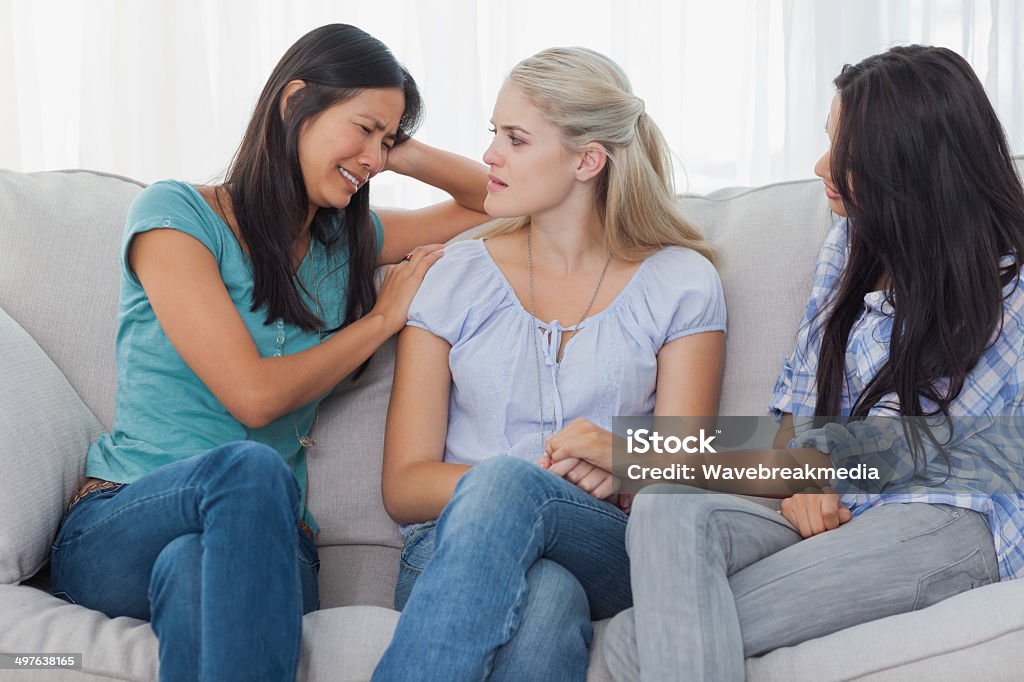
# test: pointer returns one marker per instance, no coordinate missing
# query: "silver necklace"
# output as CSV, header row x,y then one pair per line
x,y
307,441
535,329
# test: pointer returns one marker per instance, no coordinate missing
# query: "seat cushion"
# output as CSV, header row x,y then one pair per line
x,y
337,644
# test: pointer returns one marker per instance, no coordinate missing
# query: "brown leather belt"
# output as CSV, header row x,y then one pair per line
x,y
91,487
95,484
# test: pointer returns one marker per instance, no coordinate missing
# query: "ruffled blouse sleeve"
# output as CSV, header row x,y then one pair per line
x,y
682,296
458,293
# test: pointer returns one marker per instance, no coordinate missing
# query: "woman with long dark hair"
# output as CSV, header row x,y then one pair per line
x,y
916,312
242,305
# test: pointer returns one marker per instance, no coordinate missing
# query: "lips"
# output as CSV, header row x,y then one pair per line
x,y
831,193
352,179
494,184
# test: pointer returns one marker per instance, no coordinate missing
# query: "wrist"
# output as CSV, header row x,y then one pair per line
x,y
382,326
403,158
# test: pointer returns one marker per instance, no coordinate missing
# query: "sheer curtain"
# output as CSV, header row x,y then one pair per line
x,y
155,88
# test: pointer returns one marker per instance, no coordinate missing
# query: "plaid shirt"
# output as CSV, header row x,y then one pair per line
x,y
986,455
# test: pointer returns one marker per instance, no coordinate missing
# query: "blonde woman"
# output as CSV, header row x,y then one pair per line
x,y
594,298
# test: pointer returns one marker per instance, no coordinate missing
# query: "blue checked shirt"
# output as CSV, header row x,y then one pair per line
x,y
986,453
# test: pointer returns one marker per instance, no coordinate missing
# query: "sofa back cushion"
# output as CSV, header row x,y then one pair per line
x,y
59,238
45,429
767,240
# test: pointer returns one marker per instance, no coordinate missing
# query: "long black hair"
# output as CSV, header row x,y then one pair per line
x,y
265,183
934,204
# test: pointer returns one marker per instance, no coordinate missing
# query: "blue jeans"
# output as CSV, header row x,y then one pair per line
x,y
208,550
523,561
718,578
417,550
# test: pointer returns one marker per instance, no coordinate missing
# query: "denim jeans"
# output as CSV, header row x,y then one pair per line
x,y
417,551
718,578
208,550
523,561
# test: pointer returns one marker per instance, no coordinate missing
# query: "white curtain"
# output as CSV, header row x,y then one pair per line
x,y
163,88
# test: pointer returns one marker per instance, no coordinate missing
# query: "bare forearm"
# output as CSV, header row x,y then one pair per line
x,y
465,180
419,491
284,384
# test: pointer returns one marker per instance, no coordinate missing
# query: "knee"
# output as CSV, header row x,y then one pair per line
x,y
493,496
662,510
499,478
254,467
176,573
556,601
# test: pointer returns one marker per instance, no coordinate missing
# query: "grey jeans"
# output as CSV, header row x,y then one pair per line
x,y
718,578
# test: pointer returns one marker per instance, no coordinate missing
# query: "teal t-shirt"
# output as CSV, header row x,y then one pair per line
x,y
164,413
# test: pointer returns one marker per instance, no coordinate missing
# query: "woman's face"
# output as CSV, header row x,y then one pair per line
x,y
347,144
823,169
530,169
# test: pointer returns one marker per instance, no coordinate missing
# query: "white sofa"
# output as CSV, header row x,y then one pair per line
x,y
59,236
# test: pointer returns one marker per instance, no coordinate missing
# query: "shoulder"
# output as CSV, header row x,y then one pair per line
x,y
461,259
677,269
165,196
459,291
175,205
683,293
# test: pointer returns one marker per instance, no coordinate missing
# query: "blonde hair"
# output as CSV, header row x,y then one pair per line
x,y
588,98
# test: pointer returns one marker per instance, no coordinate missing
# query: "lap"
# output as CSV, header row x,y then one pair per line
x,y
108,543
891,559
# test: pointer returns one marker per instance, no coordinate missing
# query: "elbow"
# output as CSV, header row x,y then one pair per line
x,y
397,502
393,503
254,409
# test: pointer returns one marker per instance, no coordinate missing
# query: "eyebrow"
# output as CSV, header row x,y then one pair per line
x,y
512,129
378,125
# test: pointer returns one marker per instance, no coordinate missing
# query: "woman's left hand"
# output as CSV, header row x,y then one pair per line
x,y
584,475
582,440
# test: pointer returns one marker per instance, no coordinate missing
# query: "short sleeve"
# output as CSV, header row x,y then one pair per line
x,y
170,205
458,292
683,295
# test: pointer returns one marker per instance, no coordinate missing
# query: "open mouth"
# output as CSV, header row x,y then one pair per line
x,y
494,184
353,180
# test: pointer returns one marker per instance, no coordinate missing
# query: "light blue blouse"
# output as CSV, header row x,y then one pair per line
x,y
608,369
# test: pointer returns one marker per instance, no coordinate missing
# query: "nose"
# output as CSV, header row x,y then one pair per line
x,y
821,168
491,156
373,157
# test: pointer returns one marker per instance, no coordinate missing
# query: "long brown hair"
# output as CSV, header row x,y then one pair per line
x,y
265,183
934,203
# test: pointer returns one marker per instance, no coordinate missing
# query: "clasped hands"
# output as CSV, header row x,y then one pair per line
x,y
581,453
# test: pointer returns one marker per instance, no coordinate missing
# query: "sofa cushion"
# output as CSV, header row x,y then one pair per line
x,y
337,644
977,635
46,432
767,240
345,466
59,274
